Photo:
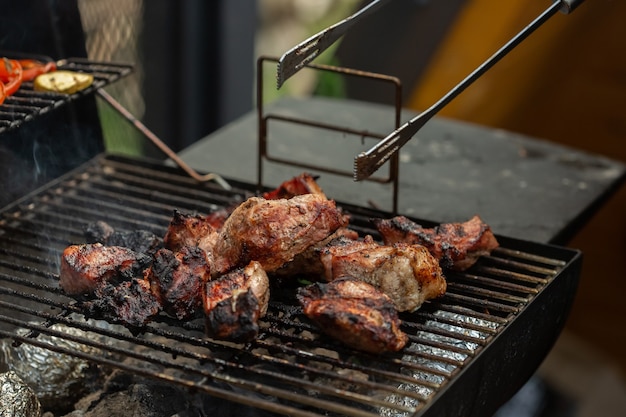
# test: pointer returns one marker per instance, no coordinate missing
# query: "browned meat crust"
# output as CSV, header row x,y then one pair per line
x,y
456,245
355,313
308,264
178,278
304,183
85,267
408,274
191,230
273,232
234,303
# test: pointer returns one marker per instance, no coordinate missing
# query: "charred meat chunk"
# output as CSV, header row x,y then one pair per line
x,y
354,313
408,274
87,266
304,183
178,278
142,241
456,245
131,303
98,232
273,232
234,303
191,230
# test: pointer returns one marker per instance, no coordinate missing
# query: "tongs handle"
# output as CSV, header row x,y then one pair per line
x,y
297,57
366,163
568,6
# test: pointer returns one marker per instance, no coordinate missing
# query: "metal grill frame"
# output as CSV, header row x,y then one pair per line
x,y
523,291
27,104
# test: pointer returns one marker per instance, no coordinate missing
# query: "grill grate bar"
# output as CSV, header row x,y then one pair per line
x,y
196,386
473,279
202,359
516,275
477,303
27,104
481,292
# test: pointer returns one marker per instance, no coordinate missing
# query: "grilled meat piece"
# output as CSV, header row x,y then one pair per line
x,y
87,266
355,313
233,303
141,241
408,274
178,278
304,183
456,245
130,302
341,248
273,232
308,263
192,230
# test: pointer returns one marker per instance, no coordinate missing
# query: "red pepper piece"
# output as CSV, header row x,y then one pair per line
x,y
31,68
10,75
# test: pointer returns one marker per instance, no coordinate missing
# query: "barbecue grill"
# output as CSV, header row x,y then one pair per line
x,y
484,335
469,351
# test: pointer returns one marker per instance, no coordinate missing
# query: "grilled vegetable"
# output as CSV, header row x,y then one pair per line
x,y
62,81
31,68
10,75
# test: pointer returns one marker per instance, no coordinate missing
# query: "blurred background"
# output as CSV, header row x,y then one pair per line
x,y
195,72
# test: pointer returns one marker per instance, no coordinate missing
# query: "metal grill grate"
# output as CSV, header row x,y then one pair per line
x,y
27,104
290,369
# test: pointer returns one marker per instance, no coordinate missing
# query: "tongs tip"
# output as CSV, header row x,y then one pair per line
x,y
297,58
362,168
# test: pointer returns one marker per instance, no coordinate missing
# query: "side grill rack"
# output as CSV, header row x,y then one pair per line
x,y
27,104
290,369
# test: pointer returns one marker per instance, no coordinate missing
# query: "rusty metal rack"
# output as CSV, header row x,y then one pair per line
x,y
27,104
265,117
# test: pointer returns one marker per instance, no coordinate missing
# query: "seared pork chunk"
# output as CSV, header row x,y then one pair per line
x,y
85,267
273,232
191,230
178,278
308,264
408,274
233,303
355,313
304,183
456,245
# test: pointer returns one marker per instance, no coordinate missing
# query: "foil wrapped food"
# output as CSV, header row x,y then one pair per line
x,y
16,398
57,379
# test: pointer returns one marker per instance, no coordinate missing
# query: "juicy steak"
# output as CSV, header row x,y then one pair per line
x,y
355,313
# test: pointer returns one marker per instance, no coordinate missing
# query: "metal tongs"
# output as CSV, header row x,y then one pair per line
x,y
296,58
366,163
